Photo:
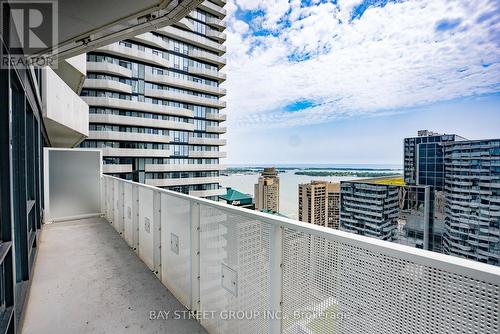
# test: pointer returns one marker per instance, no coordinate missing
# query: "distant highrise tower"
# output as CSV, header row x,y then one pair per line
x,y
319,203
472,200
267,191
423,158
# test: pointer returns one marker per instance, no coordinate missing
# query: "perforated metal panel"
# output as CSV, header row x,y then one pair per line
x,y
341,288
242,245
176,257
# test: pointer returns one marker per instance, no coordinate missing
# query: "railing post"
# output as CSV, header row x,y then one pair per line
x,y
195,257
276,278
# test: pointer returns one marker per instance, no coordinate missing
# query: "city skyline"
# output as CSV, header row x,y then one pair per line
x,y
316,71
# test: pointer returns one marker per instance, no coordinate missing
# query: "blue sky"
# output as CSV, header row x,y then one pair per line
x,y
344,81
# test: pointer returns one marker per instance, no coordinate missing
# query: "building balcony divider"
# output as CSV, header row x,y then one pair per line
x,y
136,54
108,84
212,256
192,38
187,84
102,101
109,68
182,97
182,181
207,141
183,167
140,121
128,136
207,154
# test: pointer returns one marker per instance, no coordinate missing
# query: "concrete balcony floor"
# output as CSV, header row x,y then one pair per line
x,y
87,280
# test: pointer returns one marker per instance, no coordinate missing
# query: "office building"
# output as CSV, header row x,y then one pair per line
x,y
156,104
319,203
472,200
236,198
423,158
267,191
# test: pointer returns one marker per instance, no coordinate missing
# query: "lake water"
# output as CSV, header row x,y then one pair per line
x,y
289,184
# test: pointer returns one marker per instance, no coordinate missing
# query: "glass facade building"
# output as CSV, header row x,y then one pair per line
x,y
423,158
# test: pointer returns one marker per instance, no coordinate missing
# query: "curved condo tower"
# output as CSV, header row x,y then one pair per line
x,y
155,104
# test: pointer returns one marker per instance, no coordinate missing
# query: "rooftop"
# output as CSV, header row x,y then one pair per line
x,y
235,195
388,181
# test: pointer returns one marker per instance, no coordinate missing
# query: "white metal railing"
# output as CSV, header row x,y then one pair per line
x,y
244,271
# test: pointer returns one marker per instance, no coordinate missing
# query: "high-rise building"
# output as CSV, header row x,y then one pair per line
x,y
369,208
267,191
333,205
472,200
423,158
156,104
387,209
319,203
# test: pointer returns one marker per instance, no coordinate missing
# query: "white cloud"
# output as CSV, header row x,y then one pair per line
x,y
390,58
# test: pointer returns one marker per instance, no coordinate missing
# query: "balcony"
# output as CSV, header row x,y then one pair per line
x,y
117,168
219,36
183,97
187,84
181,181
216,23
112,85
109,68
182,167
205,72
101,101
216,129
134,152
213,9
216,117
207,141
192,38
136,54
208,57
140,121
128,136
207,154
212,259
